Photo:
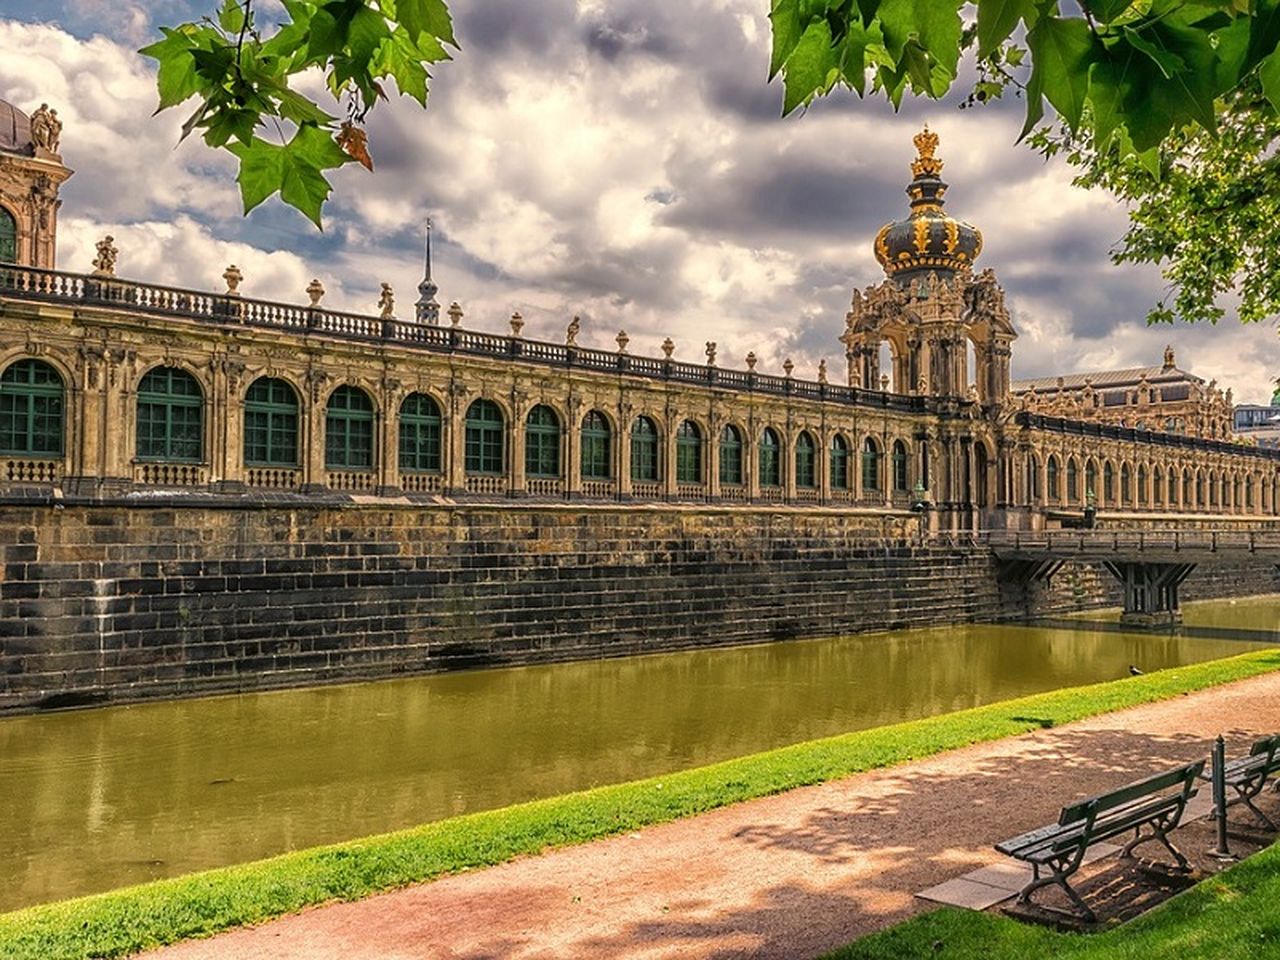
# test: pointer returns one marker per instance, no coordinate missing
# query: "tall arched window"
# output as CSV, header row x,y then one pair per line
x,y
770,458
541,444
900,461
348,430
1091,479
170,416
31,410
731,455
870,464
1186,489
1073,481
644,450
485,443
270,424
1200,497
1108,483
596,443
1157,487
8,237
688,453
1033,478
1142,485
1126,484
1051,478
806,462
839,463
420,434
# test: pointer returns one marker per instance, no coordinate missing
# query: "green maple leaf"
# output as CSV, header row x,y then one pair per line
x,y
176,76
1063,52
295,170
430,17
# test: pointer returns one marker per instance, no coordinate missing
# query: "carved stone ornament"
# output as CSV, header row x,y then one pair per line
x,y
623,340
788,366
571,332
455,314
46,129
822,371
668,347
711,353
517,323
104,265
751,360
315,291
233,276
387,303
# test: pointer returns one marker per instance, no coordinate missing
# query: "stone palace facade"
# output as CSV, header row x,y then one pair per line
x,y
110,387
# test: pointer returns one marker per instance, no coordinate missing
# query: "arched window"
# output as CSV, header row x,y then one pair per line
x,y
1108,483
688,453
8,237
1051,478
1091,479
596,443
270,424
31,410
348,430
420,433
1073,481
1248,491
806,462
170,416
839,463
485,442
1142,485
1126,484
770,458
1186,488
644,450
924,464
1033,479
541,444
1157,487
900,478
1200,498
870,464
731,455
1213,490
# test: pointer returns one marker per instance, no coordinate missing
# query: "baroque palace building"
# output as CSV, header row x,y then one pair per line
x,y
111,387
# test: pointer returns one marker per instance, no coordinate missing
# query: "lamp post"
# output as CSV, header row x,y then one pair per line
x,y
920,506
1090,509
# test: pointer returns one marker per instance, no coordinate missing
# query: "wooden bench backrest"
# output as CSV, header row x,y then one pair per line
x,y
1267,745
1182,777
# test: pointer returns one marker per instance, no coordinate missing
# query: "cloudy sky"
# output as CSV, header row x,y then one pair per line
x,y
617,159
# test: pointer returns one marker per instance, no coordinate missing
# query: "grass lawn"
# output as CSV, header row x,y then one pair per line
x,y
135,918
1234,916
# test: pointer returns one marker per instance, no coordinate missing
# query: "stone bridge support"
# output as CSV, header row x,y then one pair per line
x,y
1150,590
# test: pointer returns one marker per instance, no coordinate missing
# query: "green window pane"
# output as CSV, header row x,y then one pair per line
x,y
730,455
31,410
348,430
900,464
644,450
271,424
420,434
688,453
484,441
806,475
596,438
542,443
870,465
8,237
839,463
770,459
170,419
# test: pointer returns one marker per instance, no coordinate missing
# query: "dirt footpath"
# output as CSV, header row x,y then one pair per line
x,y
789,876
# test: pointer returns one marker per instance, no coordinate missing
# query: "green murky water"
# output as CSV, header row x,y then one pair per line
x,y
97,799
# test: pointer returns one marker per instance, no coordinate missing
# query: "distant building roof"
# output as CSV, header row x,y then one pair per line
x,y
15,129
1107,379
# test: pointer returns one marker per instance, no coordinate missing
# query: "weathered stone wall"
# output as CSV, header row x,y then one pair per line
x,y
109,602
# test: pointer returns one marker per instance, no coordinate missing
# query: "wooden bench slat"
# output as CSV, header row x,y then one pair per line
x,y
1130,792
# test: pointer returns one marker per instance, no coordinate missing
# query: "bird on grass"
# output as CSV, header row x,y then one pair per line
x,y
1134,671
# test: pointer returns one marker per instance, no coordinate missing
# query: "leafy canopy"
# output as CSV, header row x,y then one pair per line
x,y
1170,104
241,76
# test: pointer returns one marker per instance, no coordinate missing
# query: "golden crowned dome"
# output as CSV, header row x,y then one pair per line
x,y
928,240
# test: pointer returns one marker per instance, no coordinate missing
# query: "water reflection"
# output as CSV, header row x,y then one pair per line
x,y
98,799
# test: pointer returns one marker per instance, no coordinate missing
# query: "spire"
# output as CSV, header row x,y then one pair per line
x,y
427,309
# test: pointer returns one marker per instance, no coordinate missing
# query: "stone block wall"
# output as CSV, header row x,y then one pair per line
x,y
102,602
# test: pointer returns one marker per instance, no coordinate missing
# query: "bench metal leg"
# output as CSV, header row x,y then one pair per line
x,y
1158,832
1061,871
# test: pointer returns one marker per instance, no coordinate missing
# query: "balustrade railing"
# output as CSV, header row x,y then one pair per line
x,y
274,478
30,470
164,474
351,480
421,482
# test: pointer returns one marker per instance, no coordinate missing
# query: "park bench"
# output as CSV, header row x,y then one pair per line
x,y
1156,804
1248,775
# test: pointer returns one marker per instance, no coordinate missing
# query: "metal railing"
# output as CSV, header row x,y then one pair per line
x,y
1107,431
1127,541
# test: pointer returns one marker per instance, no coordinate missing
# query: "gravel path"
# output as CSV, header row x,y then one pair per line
x,y
788,876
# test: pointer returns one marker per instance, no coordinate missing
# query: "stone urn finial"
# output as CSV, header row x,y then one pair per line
x,y
787,367
711,353
315,290
387,303
571,332
822,370
455,314
105,263
751,360
517,323
884,382
623,340
668,347
233,276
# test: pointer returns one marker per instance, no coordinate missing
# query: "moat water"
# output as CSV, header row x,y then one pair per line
x,y
97,799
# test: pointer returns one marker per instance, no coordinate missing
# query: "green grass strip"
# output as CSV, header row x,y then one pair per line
x,y
165,911
1233,915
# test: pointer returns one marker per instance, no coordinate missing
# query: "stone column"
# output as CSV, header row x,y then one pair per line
x,y
455,460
